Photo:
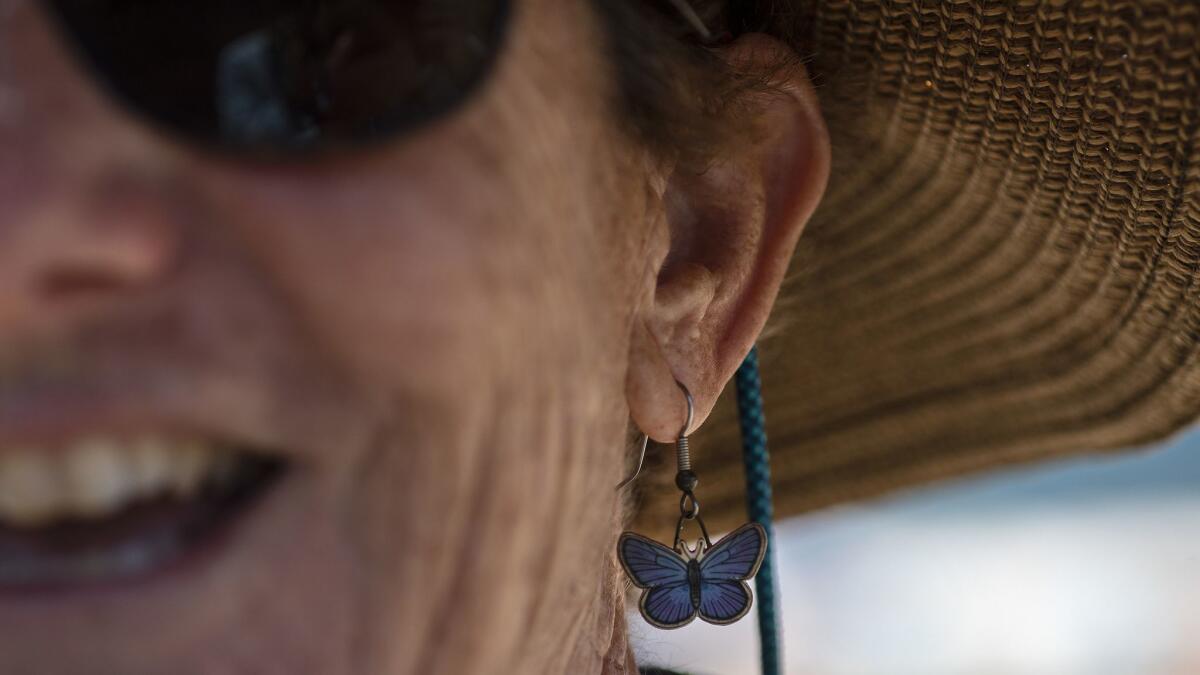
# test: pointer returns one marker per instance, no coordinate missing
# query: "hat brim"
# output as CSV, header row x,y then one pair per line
x,y
1005,267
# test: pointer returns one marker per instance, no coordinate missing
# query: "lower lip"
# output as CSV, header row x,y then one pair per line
x,y
143,544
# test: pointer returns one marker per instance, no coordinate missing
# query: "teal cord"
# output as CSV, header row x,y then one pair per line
x,y
758,503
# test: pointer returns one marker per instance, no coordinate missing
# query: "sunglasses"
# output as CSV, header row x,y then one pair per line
x,y
287,77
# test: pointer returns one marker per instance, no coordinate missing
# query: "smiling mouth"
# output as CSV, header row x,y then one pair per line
x,y
101,510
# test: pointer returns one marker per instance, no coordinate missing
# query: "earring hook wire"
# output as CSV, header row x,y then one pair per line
x,y
683,455
641,459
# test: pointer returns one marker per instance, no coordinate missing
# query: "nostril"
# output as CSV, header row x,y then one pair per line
x,y
99,260
77,284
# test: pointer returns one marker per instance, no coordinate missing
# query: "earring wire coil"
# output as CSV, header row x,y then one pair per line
x,y
683,453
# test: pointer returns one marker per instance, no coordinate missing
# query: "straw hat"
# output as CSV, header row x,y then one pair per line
x,y
1005,265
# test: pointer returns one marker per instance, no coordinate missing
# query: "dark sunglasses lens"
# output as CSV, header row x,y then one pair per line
x,y
288,75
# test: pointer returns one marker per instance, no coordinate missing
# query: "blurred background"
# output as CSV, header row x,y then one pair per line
x,y
1087,567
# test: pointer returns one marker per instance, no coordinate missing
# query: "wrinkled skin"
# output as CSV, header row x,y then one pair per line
x,y
447,336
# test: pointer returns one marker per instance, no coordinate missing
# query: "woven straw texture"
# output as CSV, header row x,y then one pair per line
x,y
1005,266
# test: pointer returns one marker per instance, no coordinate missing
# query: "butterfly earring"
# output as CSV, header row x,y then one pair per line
x,y
707,580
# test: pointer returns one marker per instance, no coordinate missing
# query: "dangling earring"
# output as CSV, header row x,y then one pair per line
x,y
681,582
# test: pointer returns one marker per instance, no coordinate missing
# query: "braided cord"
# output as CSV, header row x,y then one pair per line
x,y
758,503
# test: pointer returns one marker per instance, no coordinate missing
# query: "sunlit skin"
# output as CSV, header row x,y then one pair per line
x,y
448,337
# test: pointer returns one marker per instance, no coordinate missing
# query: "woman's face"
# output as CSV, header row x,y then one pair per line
x,y
430,335
359,414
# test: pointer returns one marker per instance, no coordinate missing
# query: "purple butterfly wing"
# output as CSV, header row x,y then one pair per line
x,y
649,563
724,595
737,556
668,601
723,602
668,606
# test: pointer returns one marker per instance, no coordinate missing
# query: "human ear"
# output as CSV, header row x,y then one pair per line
x,y
730,231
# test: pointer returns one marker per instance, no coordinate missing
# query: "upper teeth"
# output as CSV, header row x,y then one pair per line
x,y
96,477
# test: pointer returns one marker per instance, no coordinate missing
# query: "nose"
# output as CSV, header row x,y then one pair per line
x,y
88,250
85,220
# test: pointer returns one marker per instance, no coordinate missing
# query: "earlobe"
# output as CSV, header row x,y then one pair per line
x,y
733,227
657,410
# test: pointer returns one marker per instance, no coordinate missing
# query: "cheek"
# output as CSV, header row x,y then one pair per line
x,y
472,282
432,264
464,287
